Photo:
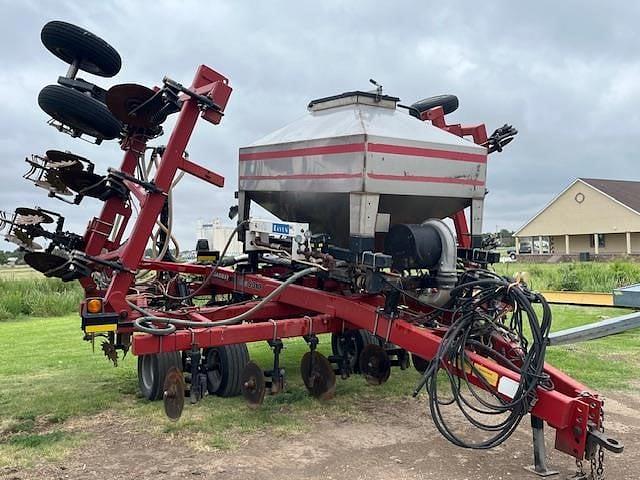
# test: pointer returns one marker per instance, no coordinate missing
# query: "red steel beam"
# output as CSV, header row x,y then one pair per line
x,y
209,83
201,173
145,344
211,314
462,229
560,407
191,268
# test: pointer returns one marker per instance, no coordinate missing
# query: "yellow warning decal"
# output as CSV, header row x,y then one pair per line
x,y
490,376
110,327
207,258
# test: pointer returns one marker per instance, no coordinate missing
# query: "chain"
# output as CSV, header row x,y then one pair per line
x,y
597,462
600,469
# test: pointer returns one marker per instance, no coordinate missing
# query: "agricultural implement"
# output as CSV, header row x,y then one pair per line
x,y
361,185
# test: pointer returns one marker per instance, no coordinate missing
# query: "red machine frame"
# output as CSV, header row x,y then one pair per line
x,y
299,310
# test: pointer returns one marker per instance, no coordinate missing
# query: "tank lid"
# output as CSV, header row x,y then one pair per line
x,y
350,98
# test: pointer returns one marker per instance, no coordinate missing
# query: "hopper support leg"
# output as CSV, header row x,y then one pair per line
x,y
477,207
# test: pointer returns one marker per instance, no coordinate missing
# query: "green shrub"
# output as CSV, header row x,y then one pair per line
x,y
569,278
585,277
40,297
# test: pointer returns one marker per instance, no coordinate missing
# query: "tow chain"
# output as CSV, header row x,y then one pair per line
x,y
596,462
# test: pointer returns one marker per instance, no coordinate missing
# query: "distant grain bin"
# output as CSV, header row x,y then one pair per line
x,y
217,234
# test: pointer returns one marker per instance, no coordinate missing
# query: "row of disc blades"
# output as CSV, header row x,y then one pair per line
x,y
64,174
317,373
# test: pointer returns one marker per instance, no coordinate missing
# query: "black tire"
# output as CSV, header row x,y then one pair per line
x,y
69,42
224,369
449,103
152,369
512,256
357,339
79,111
419,363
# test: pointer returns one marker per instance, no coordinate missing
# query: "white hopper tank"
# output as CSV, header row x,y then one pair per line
x,y
356,163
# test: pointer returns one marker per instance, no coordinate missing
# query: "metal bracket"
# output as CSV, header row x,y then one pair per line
x,y
275,384
203,100
596,437
149,186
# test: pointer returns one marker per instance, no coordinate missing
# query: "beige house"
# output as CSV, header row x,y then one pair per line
x,y
590,215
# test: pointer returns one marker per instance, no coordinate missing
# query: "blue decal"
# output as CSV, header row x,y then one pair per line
x,y
281,228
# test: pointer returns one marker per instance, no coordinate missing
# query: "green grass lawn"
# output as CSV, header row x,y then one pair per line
x,y
610,363
49,375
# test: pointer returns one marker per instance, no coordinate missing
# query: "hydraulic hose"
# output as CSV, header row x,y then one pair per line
x,y
213,270
146,322
481,302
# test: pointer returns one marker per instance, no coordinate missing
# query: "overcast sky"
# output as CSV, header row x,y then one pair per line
x,y
566,74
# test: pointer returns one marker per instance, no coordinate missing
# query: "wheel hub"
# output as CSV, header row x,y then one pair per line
x,y
253,385
375,364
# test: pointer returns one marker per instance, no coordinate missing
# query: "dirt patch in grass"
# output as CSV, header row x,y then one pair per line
x,y
392,439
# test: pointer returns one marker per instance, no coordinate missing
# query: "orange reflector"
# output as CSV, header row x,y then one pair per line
x,y
94,305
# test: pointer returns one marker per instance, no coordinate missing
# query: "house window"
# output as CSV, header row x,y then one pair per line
x,y
600,241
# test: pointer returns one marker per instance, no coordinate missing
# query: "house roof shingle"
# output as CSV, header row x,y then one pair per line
x,y
626,192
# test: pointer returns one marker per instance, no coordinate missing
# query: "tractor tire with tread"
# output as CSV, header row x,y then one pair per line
x,y
225,365
152,370
70,42
449,104
79,111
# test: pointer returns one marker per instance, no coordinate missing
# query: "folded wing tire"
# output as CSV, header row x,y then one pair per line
x,y
79,111
69,43
449,104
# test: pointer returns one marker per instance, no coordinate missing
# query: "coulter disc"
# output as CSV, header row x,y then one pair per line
x,y
29,216
375,364
57,159
318,375
135,105
23,242
47,263
173,396
252,384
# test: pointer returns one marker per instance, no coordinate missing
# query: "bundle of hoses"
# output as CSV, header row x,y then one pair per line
x,y
148,323
484,306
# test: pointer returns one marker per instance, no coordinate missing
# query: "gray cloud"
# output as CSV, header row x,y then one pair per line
x,y
564,73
